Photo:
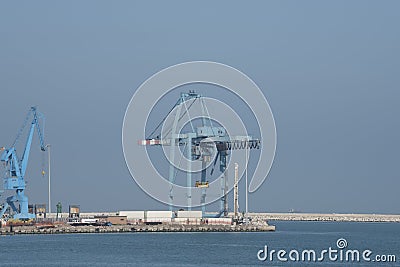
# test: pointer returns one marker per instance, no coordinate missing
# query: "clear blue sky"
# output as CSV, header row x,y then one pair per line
x,y
329,69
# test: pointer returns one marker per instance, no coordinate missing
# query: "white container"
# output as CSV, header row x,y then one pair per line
x,y
189,214
158,214
132,215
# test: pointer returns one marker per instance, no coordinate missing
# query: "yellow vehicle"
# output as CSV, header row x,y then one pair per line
x,y
201,184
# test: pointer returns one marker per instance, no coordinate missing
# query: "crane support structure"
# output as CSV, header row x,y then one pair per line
x,y
16,168
198,144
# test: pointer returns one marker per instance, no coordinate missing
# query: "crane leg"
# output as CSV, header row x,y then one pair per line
x,y
203,180
22,212
189,173
224,183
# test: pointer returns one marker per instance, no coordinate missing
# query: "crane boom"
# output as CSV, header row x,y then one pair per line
x,y
25,157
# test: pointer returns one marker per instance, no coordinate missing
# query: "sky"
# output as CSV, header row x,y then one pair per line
x,y
329,70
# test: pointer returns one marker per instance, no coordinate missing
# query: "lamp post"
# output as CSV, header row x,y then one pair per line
x,y
49,159
247,186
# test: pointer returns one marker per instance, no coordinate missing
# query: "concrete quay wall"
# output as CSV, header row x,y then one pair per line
x,y
64,229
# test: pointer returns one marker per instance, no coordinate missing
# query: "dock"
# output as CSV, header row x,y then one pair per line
x,y
67,229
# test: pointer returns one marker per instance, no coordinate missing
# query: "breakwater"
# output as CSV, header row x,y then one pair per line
x,y
334,217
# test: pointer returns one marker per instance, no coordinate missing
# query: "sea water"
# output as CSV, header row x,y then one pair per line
x,y
210,249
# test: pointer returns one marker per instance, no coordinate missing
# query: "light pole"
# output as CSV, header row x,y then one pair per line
x,y
49,154
247,186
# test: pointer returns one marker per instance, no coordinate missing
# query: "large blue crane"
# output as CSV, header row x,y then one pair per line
x,y
199,144
16,168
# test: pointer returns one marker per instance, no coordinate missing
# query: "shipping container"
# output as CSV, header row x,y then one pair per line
x,y
158,214
189,221
132,215
218,221
189,214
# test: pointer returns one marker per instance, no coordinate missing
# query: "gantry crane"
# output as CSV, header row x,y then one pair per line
x,y
16,168
199,144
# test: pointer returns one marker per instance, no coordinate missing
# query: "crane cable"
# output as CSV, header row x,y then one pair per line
x,y
161,122
43,164
208,116
21,129
187,109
